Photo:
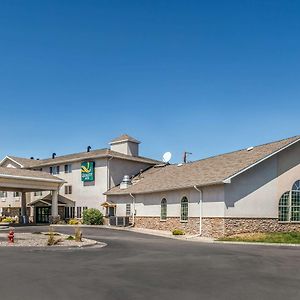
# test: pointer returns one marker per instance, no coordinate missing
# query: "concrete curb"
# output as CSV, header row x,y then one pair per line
x,y
257,244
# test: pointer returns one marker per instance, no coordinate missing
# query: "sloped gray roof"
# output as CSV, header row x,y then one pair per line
x,y
25,162
209,171
17,172
101,153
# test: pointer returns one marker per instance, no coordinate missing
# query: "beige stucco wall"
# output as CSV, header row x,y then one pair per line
x,y
128,148
88,194
148,205
256,192
120,167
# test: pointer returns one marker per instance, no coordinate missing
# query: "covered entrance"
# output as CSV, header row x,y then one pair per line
x,y
110,208
42,214
26,182
43,207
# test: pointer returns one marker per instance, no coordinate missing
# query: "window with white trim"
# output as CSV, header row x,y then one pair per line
x,y
39,193
68,189
184,209
3,194
17,194
79,212
68,168
289,205
163,209
128,209
69,212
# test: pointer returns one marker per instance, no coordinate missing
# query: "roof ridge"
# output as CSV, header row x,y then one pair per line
x,y
235,151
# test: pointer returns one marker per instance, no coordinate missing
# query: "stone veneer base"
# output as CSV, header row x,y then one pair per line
x,y
217,227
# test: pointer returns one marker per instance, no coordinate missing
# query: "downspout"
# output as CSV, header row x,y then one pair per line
x,y
200,211
108,182
133,205
108,173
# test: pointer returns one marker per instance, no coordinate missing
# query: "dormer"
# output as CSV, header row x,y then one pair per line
x,y
125,144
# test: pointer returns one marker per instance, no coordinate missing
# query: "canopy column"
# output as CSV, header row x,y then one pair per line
x,y
24,217
54,207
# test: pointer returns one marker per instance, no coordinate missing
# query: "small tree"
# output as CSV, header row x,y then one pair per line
x,y
92,216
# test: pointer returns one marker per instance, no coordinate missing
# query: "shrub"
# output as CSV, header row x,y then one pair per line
x,y
178,232
7,220
92,216
51,240
73,222
70,238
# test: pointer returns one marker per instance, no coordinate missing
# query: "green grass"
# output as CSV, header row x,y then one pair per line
x,y
269,237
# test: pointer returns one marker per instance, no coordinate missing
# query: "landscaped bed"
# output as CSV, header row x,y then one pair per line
x,y
41,239
269,237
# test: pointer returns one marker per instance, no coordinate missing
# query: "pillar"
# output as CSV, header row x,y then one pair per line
x,y
24,217
54,209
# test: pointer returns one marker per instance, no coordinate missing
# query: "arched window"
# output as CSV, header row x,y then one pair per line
x,y
163,209
284,207
184,212
296,186
295,201
289,205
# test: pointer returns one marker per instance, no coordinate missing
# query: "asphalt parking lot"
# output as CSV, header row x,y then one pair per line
x,y
137,266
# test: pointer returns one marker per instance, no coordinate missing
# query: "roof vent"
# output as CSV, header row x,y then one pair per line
x,y
126,182
250,148
53,155
185,156
88,149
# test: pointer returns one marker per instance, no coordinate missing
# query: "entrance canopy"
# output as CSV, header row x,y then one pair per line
x,y
47,200
24,181
12,179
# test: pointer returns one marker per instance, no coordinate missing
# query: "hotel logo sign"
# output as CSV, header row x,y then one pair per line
x,y
87,171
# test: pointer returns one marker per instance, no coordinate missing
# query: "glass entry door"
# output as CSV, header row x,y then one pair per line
x,y
43,214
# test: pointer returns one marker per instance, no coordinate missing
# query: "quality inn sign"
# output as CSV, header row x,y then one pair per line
x,y
87,171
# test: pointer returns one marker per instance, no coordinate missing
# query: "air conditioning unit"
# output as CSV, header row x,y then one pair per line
x,y
119,221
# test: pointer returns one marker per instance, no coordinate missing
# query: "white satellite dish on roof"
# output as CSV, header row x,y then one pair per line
x,y
167,157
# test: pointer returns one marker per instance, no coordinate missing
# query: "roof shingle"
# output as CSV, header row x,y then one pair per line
x,y
209,171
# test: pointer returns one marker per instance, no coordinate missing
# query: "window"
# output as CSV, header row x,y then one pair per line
x,y
40,193
16,194
296,186
284,207
68,189
163,209
295,205
78,212
54,170
69,212
289,205
68,168
3,194
184,209
128,209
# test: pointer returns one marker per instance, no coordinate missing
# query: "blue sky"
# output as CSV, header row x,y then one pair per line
x,y
203,76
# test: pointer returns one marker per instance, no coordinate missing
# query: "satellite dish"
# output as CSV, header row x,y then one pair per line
x,y
167,157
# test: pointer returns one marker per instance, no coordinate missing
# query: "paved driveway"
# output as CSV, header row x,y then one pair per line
x,y
137,266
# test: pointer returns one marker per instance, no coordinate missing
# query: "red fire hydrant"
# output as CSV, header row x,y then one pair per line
x,y
11,236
